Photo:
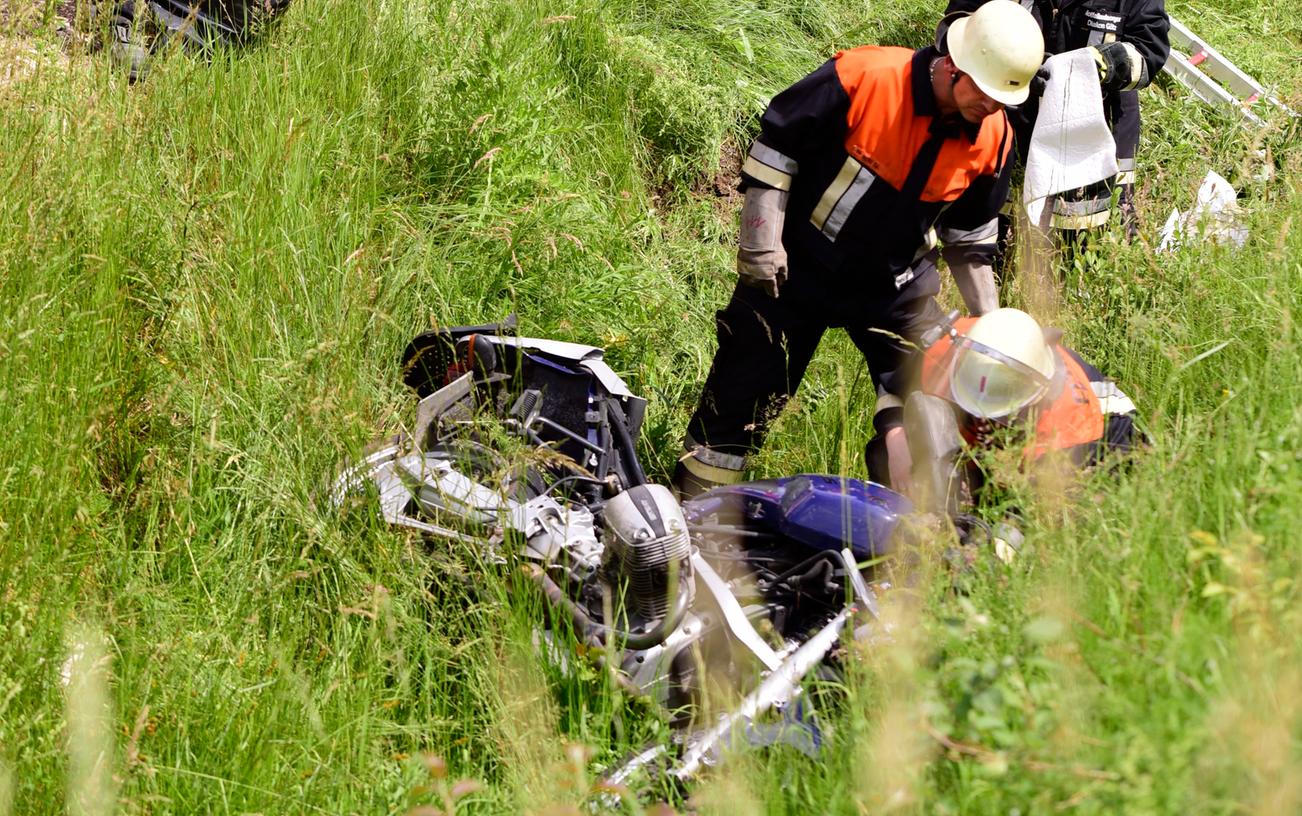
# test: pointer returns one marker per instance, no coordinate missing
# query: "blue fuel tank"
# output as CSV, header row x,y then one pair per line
x,y
821,512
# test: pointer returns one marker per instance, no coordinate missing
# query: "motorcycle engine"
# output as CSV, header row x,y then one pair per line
x,y
647,544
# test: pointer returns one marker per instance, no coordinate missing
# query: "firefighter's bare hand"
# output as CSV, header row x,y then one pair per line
x,y
764,269
899,461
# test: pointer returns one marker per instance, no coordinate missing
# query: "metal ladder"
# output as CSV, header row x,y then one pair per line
x,y
1203,70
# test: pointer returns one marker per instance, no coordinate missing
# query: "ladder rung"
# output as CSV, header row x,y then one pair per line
x,y
1214,67
1217,66
1204,87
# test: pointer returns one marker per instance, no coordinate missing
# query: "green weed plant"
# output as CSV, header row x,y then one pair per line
x,y
205,282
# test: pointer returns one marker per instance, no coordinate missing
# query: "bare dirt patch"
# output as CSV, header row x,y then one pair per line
x,y
725,181
35,25
24,17
721,187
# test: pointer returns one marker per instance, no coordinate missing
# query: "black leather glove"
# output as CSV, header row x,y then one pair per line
x,y
1121,68
1038,82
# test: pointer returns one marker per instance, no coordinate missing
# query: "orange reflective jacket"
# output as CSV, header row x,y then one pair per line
x,y
887,127
873,167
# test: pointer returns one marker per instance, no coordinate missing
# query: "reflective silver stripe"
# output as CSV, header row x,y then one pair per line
x,y
834,192
778,161
1126,171
1112,399
711,457
928,244
886,400
904,277
1080,222
1088,206
862,181
710,473
984,234
757,169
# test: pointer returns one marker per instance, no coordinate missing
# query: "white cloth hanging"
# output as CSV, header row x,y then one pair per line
x,y
1071,145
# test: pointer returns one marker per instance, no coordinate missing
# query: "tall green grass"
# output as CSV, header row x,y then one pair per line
x,y
205,280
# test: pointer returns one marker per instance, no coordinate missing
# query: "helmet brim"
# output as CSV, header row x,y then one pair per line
x,y
1010,98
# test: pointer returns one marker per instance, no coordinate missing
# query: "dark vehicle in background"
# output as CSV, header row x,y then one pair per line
x,y
137,29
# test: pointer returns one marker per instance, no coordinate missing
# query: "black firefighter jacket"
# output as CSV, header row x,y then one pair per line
x,y
874,172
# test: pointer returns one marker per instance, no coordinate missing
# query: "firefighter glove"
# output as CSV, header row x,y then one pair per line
x,y
761,259
1038,82
1121,68
975,278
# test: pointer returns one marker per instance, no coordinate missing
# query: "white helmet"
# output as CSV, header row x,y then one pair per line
x,y
1002,365
1000,46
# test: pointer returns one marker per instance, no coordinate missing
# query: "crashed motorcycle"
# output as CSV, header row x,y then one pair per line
x,y
524,449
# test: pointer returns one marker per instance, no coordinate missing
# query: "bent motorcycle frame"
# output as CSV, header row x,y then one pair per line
x,y
417,474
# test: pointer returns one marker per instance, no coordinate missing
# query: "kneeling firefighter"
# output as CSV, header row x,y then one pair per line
x,y
1001,370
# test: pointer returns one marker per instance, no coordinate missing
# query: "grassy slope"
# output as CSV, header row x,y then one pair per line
x,y
204,283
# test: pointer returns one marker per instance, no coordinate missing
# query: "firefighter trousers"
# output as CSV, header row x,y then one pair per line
x,y
765,345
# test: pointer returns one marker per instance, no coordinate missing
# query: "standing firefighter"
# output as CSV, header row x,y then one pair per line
x,y
857,170
1129,43
998,371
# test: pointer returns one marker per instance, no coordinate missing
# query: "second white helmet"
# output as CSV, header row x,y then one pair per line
x,y
1000,46
1003,364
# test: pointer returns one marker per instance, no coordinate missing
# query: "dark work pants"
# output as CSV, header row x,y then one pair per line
x,y
765,345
